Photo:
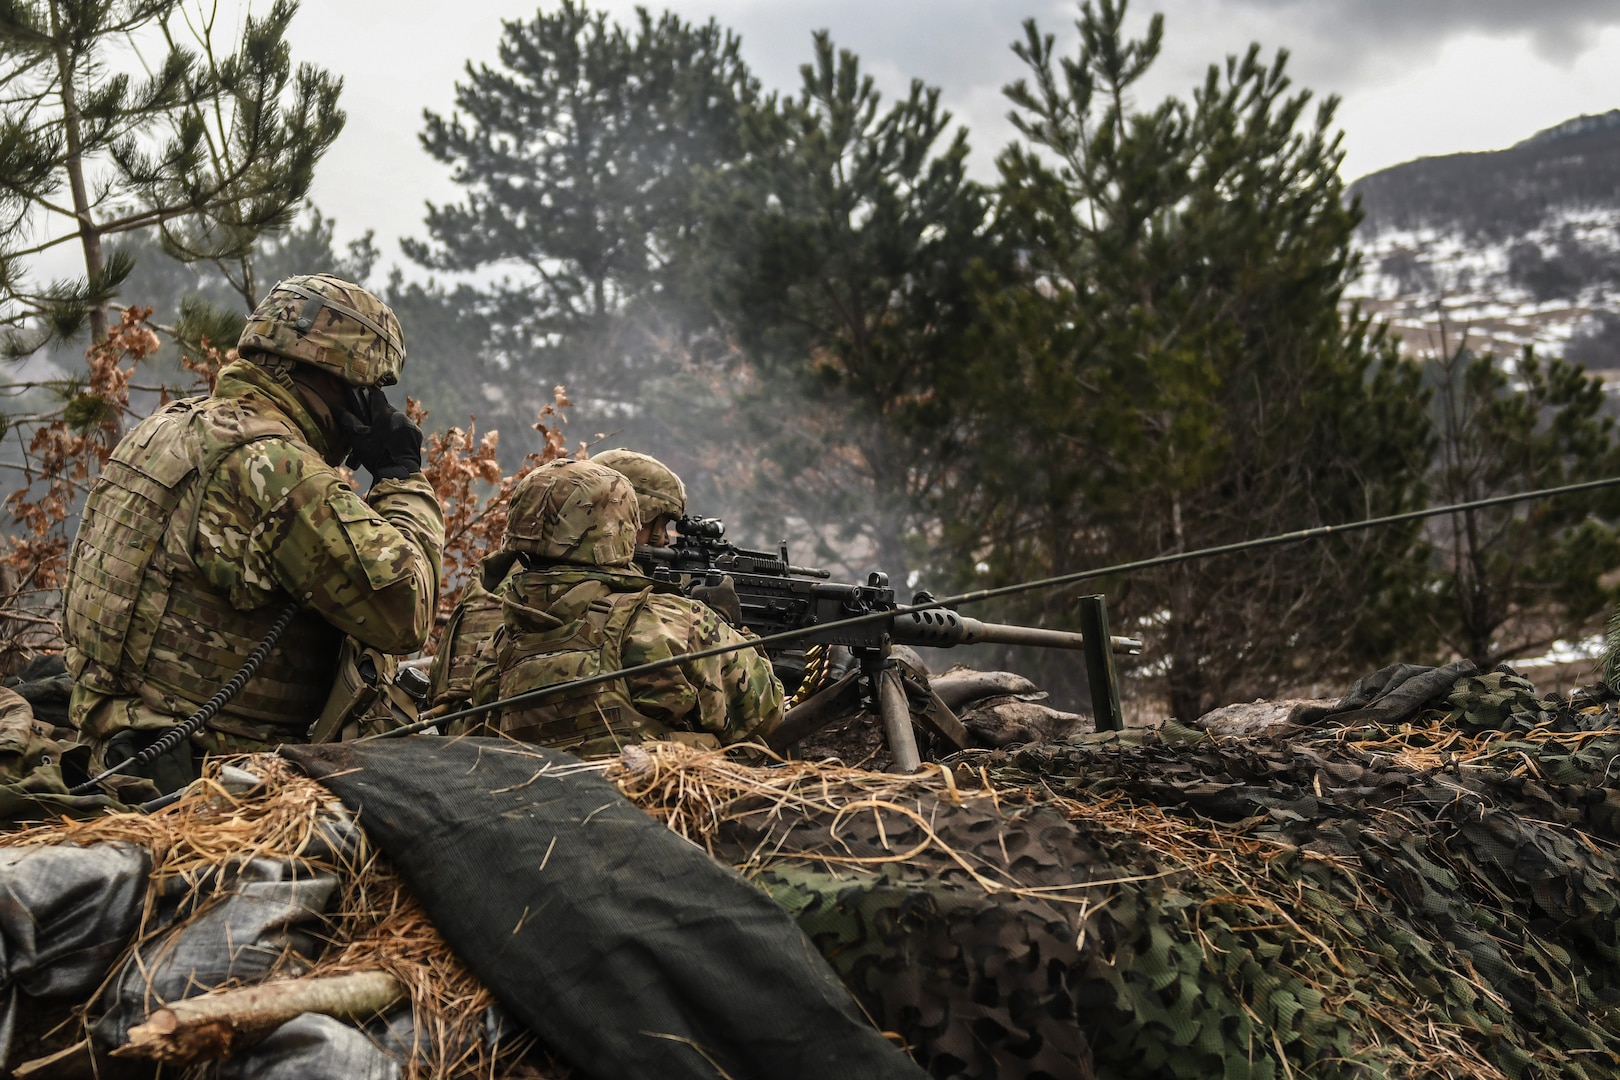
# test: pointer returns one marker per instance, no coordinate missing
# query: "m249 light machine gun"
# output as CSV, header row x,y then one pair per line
x,y
775,596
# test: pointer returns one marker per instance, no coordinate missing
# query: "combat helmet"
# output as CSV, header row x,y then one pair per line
x,y
575,512
329,323
658,489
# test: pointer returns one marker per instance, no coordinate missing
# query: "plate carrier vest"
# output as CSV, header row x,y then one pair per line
x,y
140,618
577,635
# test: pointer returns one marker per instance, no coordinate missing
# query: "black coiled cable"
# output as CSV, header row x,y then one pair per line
x,y
174,736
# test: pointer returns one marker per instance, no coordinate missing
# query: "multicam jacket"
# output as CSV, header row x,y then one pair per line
x,y
212,515
472,623
561,623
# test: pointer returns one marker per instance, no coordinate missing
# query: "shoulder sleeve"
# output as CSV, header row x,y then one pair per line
x,y
735,695
277,517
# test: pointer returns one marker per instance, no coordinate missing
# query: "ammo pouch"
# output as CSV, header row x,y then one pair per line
x,y
364,698
580,635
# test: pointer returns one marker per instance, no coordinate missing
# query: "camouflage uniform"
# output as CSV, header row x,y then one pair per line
x,y
475,618
578,608
658,492
215,513
25,743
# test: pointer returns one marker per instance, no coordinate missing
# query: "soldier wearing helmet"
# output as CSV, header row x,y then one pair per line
x,y
660,495
215,513
660,499
573,605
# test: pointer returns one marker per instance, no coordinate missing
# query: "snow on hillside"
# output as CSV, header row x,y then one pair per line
x,y
1501,250
1437,287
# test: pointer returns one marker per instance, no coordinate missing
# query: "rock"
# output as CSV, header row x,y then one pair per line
x,y
1006,720
1256,717
960,687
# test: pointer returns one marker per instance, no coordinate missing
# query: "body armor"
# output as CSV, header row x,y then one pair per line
x,y
474,621
141,621
558,626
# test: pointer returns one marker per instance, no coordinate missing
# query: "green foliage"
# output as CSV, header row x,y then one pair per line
x,y
1511,580
1135,343
200,301
84,412
210,149
579,154
838,252
244,153
1173,371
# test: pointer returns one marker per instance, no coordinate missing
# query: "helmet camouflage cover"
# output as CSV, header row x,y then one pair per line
x,y
658,489
576,512
329,323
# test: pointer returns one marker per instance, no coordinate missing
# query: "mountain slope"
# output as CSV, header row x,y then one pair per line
x,y
1512,247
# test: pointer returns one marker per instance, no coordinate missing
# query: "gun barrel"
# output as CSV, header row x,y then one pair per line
x,y
943,628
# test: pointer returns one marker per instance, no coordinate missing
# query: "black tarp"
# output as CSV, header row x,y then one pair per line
x,y
628,951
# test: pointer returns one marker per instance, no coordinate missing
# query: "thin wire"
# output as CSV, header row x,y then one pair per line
x,y
978,595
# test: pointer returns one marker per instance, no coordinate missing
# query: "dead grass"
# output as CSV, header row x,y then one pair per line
x,y
696,792
376,925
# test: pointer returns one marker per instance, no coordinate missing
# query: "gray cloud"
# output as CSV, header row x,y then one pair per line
x,y
1357,32
378,176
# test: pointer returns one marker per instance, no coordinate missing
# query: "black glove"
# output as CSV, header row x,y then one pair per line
x,y
722,597
382,440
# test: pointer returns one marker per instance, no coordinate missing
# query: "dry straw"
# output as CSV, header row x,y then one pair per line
x,y
379,926
698,793
376,925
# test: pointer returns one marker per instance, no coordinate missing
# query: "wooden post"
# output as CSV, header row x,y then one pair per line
x,y
1100,664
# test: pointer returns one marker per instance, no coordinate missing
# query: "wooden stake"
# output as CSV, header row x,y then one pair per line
x,y
216,1025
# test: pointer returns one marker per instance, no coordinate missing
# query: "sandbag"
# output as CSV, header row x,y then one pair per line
x,y
313,1047
66,913
268,913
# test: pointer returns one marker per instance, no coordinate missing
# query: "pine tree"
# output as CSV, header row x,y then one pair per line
x,y
1511,580
210,149
1173,371
579,153
839,253
200,300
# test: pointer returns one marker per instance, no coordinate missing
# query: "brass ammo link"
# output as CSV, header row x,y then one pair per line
x,y
815,673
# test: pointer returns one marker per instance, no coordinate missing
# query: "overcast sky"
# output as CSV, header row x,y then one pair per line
x,y
1417,77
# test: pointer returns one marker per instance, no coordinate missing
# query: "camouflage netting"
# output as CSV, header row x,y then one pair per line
x,y
1454,872
1420,881
1434,896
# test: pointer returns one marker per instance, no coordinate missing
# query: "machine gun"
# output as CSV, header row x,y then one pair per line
x,y
776,596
